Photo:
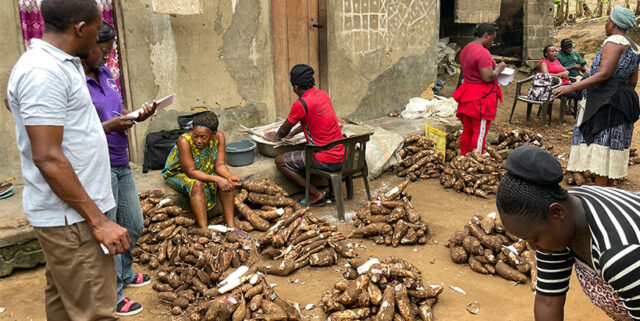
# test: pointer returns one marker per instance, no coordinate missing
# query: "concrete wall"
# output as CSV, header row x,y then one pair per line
x,y
223,59
538,29
380,55
10,51
220,59
477,11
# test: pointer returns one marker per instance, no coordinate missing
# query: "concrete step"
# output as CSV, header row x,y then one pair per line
x,y
18,245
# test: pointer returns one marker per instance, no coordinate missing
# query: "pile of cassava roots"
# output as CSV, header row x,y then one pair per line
x,y
487,248
381,289
419,159
204,274
390,219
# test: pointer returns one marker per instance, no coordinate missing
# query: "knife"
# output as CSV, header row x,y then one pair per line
x,y
248,178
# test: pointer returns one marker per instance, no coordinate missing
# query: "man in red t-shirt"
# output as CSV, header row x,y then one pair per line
x,y
314,111
478,96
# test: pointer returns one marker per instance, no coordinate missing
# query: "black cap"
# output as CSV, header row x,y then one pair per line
x,y
566,42
534,165
301,74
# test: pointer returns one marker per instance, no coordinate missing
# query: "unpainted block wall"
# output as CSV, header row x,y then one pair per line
x,y
538,29
477,11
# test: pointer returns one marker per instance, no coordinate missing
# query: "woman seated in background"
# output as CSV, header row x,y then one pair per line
x,y
552,66
197,167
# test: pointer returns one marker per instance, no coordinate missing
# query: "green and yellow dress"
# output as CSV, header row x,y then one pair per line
x,y
205,161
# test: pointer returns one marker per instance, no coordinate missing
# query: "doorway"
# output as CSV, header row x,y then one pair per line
x,y
510,38
299,37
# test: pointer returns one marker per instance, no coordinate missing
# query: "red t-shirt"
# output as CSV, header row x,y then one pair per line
x,y
554,67
472,58
320,123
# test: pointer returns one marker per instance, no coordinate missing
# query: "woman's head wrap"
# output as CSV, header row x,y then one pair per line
x,y
301,74
207,119
535,166
623,18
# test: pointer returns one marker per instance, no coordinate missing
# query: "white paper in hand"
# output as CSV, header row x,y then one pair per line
x,y
506,76
160,104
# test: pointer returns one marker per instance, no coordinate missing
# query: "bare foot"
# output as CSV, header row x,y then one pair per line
x,y
315,198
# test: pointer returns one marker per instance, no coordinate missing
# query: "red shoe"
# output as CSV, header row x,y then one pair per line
x,y
128,307
141,280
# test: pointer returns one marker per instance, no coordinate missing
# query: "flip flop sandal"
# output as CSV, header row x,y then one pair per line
x,y
243,235
5,187
140,280
320,203
330,198
8,193
128,307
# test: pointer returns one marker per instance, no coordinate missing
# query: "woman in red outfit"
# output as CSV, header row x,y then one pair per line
x,y
552,66
478,95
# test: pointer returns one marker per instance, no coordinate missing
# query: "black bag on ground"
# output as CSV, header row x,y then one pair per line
x,y
157,147
186,121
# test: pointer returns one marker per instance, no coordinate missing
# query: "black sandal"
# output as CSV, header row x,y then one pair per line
x,y
329,197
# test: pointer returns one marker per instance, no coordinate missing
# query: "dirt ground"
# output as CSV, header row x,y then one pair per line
x,y
445,211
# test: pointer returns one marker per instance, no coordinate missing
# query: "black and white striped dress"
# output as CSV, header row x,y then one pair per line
x,y
613,216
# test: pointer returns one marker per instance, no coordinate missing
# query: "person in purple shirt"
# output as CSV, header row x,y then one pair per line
x,y
127,213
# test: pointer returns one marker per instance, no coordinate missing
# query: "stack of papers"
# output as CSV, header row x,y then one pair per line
x,y
506,76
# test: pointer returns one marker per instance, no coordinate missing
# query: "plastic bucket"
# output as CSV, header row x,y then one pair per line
x,y
240,153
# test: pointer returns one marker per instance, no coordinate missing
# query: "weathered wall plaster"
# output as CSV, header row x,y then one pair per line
x,y
378,57
220,59
12,47
378,53
185,7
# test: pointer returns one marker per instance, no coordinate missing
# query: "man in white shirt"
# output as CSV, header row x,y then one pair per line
x,y
65,164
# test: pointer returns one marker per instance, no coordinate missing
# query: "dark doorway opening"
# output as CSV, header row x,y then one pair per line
x,y
460,33
509,39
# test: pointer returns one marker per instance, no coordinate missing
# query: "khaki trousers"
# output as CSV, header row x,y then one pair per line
x,y
81,280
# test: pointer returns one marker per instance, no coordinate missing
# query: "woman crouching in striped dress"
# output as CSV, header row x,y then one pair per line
x,y
594,229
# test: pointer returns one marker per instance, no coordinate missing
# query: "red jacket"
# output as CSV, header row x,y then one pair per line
x,y
479,101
